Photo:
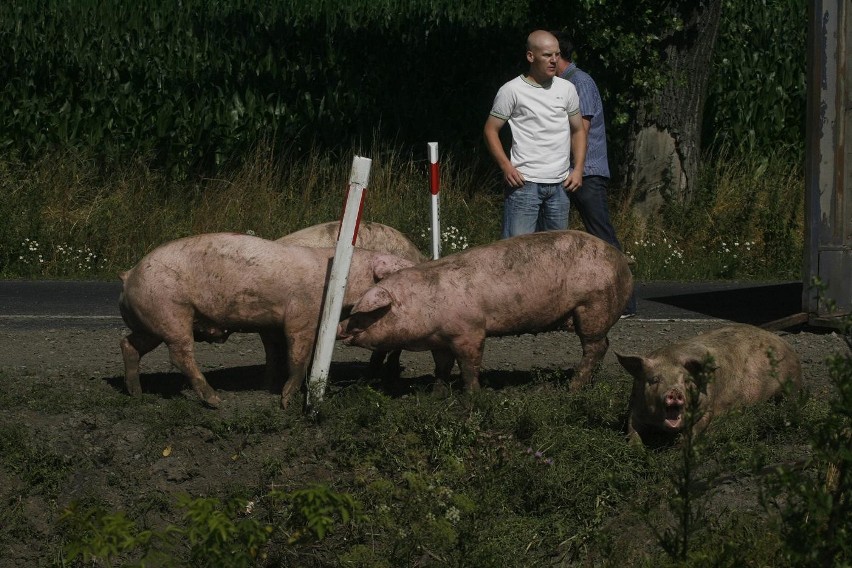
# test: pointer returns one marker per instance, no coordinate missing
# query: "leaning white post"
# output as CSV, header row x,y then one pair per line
x,y
358,178
435,187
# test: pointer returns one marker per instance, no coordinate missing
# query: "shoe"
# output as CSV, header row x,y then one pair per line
x,y
627,315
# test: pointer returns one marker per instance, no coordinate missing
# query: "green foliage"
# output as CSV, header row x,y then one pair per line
x,y
317,509
217,536
746,222
756,94
192,86
211,532
678,540
95,535
816,501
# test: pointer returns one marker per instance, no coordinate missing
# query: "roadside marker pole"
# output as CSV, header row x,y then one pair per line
x,y
358,178
435,187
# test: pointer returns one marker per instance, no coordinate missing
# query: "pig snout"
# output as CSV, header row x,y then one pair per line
x,y
343,332
674,404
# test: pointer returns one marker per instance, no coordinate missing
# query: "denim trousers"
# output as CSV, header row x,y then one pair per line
x,y
534,207
591,204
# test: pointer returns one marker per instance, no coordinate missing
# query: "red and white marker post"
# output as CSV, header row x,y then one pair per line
x,y
435,188
358,178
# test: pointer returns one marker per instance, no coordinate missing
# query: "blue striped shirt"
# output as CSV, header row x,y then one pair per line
x,y
591,107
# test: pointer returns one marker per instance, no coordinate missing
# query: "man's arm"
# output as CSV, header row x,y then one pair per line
x,y
579,143
492,140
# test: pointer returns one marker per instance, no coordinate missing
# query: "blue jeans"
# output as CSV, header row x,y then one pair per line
x,y
534,207
591,203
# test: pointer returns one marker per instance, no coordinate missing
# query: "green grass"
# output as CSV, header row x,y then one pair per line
x,y
513,476
65,218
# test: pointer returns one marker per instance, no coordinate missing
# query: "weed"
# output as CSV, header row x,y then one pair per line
x,y
67,218
211,532
42,469
815,502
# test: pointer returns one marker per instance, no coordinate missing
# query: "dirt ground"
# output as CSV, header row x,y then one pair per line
x,y
78,362
95,353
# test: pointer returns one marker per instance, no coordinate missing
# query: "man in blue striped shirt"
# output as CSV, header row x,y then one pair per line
x,y
591,198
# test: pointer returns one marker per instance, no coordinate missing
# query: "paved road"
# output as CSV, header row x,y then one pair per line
x,y
88,304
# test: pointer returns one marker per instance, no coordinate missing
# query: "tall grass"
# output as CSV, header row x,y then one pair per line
x,y
746,222
66,217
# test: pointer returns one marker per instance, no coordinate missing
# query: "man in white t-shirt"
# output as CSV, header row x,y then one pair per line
x,y
543,112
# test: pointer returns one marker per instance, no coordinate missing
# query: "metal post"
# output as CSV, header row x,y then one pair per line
x,y
358,178
435,187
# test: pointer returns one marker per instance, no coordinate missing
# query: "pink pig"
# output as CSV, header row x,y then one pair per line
x,y
371,236
207,286
525,284
749,365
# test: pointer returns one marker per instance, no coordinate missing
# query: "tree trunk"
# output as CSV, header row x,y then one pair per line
x,y
664,148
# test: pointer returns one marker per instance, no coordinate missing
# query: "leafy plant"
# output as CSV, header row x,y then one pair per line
x,y
211,532
676,540
815,500
316,510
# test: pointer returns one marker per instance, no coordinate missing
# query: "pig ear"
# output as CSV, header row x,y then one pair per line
x,y
694,364
385,265
634,364
373,299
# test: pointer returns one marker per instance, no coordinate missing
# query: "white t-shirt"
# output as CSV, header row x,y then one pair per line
x,y
538,117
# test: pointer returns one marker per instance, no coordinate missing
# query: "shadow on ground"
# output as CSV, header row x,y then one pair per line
x,y
754,305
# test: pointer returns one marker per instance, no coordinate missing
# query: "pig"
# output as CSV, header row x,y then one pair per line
x,y
207,286
525,284
371,236
749,365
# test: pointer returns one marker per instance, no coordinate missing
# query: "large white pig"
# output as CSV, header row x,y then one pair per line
x,y
371,236
524,284
207,286
748,365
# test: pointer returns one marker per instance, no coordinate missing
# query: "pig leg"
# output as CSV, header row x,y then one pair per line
x,y
591,323
593,351
468,351
388,369
182,355
377,362
393,367
133,347
299,348
444,361
275,347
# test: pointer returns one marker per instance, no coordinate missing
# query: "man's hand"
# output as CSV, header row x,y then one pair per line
x,y
574,181
512,176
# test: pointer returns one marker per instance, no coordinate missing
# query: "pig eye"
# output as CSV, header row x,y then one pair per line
x,y
653,380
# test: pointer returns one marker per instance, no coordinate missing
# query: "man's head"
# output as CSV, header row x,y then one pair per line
x,y
566,48
542,54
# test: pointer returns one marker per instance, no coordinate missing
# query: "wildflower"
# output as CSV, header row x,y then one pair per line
x,y
453,515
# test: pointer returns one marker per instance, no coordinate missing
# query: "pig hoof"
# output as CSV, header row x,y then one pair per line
x,y
213,401
634,440
441,389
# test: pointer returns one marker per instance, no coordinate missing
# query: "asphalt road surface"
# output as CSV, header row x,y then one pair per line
x,y
34,304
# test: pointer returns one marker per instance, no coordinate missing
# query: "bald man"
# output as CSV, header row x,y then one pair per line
x,y
543,112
